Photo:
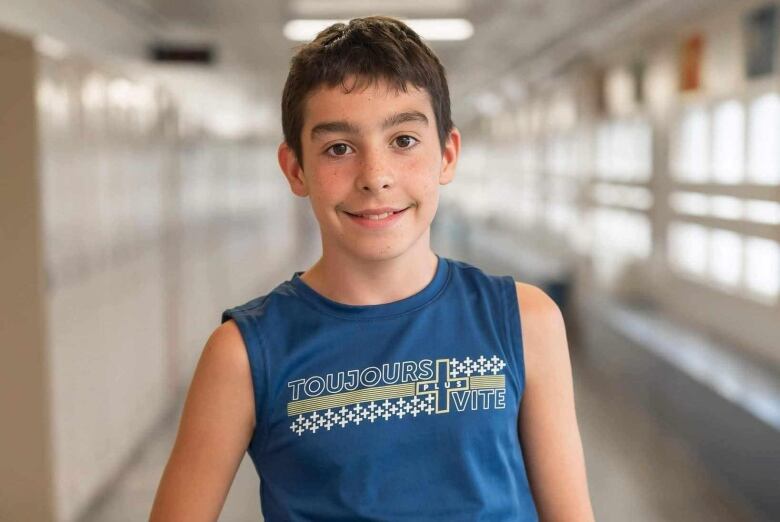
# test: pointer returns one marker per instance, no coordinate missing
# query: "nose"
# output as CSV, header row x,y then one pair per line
x,y
375,173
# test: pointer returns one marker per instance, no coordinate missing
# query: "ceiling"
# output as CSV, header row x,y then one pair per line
x,y
249,33
512,38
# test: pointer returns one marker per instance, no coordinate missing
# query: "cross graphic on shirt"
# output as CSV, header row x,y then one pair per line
x,y
442,382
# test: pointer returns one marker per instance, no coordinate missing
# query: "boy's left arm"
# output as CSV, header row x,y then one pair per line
x,y
547,424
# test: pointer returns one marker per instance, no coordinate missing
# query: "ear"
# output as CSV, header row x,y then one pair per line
x,y
449,157
292,170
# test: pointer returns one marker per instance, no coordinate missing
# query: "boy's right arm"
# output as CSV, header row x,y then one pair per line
x,y
215,429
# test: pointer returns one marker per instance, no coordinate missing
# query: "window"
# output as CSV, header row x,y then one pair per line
x,y
764,140
687,247
762,269
691,154
721,236
728,143
725,256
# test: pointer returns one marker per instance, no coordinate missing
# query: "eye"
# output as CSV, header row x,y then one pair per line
x,y
405,142
339,149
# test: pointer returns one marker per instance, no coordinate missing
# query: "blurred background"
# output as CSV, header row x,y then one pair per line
x,y
624,155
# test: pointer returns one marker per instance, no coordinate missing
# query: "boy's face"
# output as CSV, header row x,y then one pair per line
x,y
367,152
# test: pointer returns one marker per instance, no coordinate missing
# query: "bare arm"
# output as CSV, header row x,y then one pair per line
x,y
215,429
548,424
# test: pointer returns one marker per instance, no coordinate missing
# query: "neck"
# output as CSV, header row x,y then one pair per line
x,y
347,280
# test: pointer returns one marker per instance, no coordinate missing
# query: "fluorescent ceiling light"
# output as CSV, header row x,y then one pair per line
x,y
50,47
411,8
440,29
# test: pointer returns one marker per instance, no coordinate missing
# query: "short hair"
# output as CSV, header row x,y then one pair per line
x,y
368,50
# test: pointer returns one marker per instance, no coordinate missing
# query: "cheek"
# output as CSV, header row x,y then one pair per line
x,y
330,182
425,174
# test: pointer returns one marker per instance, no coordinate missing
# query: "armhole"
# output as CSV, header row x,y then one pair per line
x,y
255,350
514,331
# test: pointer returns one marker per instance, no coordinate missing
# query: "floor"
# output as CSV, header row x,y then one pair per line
x,y
638,472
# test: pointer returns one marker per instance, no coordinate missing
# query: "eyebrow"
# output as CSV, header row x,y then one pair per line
x,y
329,127
404,117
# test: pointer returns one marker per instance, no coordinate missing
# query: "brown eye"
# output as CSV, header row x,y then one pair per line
x,y
339,149
405,142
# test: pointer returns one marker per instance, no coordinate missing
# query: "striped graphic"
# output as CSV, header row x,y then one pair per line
x,y
491,381
392,391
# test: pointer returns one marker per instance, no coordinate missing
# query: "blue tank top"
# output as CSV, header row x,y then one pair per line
x,y
399,411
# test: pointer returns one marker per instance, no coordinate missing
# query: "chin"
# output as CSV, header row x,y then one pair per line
x,y
382,252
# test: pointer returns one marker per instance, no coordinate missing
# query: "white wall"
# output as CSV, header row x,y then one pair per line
x,y
149,233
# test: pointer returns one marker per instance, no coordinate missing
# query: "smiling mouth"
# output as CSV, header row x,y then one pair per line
x,y
377,217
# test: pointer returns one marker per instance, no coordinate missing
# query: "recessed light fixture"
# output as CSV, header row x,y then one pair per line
x,y
352,8
432,29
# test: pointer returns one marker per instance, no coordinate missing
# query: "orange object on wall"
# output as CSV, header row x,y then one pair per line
x,y
690,63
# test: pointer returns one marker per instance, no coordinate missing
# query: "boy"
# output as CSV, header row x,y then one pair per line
x,y
385,382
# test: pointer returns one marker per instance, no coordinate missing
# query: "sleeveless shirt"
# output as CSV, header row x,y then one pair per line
x,y
400,411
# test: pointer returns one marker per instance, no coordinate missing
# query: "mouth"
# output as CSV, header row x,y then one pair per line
x,y
376,215
381,218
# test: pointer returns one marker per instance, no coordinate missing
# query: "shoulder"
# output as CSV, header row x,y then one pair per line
x,y
280,298
226,335
466,269
474,277
535,302
543,333
223,375
225,356
253,305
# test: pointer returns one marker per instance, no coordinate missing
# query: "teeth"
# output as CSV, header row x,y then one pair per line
x,y
377,217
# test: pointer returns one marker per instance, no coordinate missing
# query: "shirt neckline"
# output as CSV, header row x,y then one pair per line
x,y
399,307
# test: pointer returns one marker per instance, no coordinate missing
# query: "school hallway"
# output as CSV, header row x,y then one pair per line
x,y
621,155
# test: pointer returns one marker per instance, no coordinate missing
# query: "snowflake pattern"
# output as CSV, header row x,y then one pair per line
x,y
363,411
479,367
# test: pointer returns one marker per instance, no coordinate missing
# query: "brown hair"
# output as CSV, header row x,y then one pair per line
x,y
367,49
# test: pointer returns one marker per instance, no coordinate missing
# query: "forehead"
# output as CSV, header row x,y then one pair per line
x,y
365,104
